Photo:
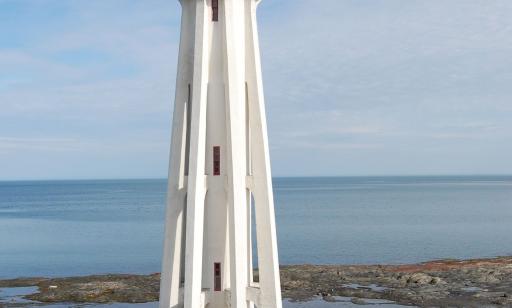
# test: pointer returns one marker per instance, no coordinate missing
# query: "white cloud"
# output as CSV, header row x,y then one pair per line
x,y
349,80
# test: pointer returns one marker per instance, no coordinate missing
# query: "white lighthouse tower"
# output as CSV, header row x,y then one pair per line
x,y
219,174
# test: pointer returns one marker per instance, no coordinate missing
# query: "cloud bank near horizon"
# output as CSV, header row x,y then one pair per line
x,y
352,87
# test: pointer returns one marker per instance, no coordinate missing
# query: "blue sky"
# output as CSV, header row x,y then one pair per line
x,y
353,87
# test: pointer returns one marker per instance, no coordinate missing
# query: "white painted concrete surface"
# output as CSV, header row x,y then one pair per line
x,y
219,158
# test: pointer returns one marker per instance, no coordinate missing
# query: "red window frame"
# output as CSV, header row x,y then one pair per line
x,y
217,277
215,10
216,160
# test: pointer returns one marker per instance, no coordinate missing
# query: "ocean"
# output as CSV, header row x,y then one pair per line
x,y
66,228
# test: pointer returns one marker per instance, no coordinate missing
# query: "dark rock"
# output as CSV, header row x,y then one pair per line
x,y
431,284
358,301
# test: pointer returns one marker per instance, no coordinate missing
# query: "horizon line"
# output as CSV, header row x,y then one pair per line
x,y
274,177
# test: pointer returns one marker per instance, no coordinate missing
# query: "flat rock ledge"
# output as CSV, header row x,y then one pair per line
x,y
443,283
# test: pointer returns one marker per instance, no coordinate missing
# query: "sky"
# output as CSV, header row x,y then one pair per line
x,y
352,87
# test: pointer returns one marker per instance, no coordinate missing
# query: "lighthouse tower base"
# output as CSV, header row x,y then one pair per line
x,y
219,174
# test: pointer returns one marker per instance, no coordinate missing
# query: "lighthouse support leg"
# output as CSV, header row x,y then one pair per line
x,y
172,261
236,147
196,179
263,197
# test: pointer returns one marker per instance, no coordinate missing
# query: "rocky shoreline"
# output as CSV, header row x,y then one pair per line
x,y
443,283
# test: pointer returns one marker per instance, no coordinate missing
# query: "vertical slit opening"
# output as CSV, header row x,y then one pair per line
x,y
216,160
217,277
183,242
248,132
188,110
254,241
215,10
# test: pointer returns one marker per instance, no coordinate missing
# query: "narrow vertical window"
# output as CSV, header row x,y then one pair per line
x,y
215,10
216,160
217,281
188,118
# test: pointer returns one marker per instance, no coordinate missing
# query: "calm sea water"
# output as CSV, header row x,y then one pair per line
x,y
63,228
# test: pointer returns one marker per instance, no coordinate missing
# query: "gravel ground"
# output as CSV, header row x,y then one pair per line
x,y
444,283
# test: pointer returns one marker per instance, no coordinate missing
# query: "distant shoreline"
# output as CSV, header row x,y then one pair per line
x,y
425,176
435,283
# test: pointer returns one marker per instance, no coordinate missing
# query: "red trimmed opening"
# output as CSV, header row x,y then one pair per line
x,y
215,10
216,160
217,282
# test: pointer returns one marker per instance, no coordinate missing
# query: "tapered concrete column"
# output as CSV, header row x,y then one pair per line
x,y
196,175
176,196
234,57
263,195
